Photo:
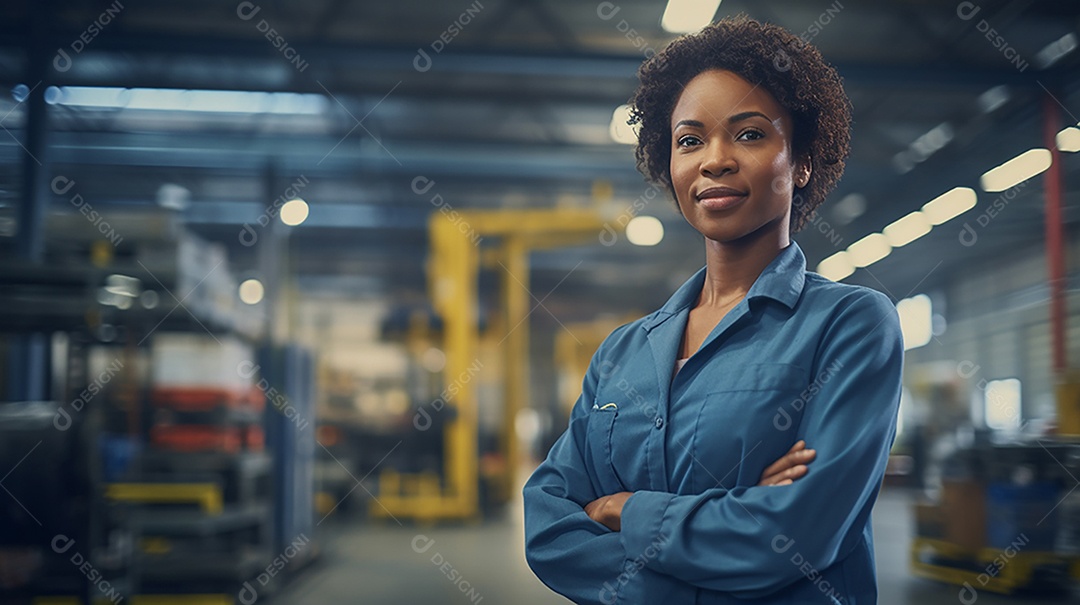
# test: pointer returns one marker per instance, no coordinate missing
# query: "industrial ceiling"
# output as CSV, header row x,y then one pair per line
x,y
507,103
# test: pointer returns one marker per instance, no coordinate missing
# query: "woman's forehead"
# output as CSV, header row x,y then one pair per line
x,y
716,95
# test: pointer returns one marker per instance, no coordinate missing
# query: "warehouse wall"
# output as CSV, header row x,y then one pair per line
x,y
997,318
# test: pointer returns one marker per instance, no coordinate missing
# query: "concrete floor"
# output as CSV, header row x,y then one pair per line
x,y
365,563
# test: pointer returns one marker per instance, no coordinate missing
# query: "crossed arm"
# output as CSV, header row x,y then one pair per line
x,y
607,510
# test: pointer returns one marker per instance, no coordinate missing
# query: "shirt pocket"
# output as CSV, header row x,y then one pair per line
x,y
748,419
598,438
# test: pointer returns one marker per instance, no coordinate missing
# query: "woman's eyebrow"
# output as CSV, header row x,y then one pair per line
x,y
694,123
747,115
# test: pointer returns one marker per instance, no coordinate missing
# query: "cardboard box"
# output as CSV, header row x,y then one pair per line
x,y
929,521
963,506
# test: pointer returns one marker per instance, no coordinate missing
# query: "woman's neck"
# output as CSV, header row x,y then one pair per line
x,y
731,268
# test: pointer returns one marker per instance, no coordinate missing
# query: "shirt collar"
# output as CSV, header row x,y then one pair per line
x,y
782,280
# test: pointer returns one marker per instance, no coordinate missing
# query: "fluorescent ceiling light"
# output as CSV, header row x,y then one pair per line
x,y
1016,170
836,267
621,132
950,204
1068,139
294,212
907,229
210,101
644,231
1053,52
685,16
993,98
869,250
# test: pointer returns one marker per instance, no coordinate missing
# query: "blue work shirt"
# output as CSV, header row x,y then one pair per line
x,y
800,357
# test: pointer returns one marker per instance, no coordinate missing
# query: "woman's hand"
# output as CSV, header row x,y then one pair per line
x,y
608,510
789,467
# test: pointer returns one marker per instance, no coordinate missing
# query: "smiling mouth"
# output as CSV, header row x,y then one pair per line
x,y
720,198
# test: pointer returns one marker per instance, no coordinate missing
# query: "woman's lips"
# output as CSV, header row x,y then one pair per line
x,y
720,198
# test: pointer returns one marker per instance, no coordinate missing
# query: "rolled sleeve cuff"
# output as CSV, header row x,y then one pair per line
x,y
641,521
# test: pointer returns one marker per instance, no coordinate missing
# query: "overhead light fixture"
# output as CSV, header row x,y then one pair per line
x,y
294,212
1016,170
869,250
849,208
933,140
950,204
836,267
685,16
1068,140
993,98
1056,50
210,101
251,291
645,231
902,232
621,132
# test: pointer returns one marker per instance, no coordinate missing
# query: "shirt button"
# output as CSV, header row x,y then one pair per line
x,y
659,422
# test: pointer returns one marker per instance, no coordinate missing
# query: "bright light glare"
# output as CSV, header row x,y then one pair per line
x,y
433,360
869,250
836,267
294,212
950,204
907,229
645,231
1001,404
1069,139
251,291
916,320
123,285
685,16
1017,170
620,131
174,99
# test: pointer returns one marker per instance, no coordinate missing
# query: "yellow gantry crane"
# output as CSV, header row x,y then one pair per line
x,y
462,241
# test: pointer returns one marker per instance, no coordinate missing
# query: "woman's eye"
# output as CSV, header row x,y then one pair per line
x,y
750,135
688,140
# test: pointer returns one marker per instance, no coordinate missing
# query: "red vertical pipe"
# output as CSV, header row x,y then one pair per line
x,y
1055,238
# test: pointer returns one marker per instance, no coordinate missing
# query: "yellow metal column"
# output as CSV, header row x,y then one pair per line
x,y
516,297
459,311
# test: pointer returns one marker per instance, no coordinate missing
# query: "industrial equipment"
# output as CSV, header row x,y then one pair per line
x,y
460,243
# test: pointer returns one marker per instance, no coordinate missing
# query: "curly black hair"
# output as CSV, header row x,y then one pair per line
x,y
792,70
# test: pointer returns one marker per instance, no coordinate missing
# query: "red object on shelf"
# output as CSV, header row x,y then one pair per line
x,y
203,399
254,438
196,438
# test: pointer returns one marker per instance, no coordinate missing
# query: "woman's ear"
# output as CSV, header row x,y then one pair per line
x,y
803,168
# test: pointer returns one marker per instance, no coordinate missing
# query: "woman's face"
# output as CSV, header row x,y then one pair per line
x,y
732,166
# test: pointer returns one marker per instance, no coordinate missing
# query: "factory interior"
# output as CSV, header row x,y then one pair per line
x,y
295,295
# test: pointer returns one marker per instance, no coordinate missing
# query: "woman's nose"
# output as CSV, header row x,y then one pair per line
x,y
718,160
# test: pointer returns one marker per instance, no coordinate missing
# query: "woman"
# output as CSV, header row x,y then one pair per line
x,y
661,490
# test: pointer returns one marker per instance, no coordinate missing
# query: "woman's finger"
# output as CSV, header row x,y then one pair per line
x,y
796,455
790,467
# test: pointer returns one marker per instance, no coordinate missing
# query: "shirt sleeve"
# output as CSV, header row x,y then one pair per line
x,y
753,541
570,553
